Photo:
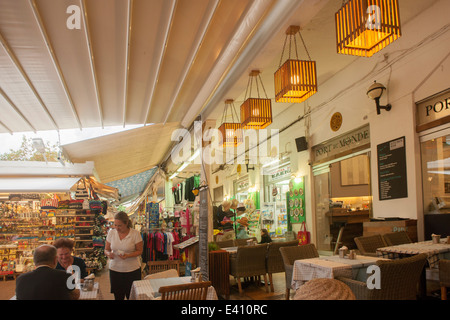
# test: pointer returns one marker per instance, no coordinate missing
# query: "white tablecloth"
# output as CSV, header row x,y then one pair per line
x,y
148,289
330,267
95,294
434,252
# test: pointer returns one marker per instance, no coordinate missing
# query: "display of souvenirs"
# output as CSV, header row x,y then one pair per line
x,y
295,199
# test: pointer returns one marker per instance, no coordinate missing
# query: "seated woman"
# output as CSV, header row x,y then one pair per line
x,y
265,237
64,249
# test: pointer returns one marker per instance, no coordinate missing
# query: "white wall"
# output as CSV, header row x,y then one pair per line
x,y
412,68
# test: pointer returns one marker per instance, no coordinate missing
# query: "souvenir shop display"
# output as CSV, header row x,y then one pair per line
x,y
295,199
25,225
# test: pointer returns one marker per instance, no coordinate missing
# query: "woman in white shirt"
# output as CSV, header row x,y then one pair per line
x,y
123,247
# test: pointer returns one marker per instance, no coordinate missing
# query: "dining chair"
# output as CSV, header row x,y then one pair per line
x,y
368,245
292,253
399,280
171,273
186,291
274,261
444,277
158,266
243,242
226,243
249,261
396,238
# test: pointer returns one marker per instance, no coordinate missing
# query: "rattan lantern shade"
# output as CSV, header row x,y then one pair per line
x,y
256,113
231,134
364,27
295,81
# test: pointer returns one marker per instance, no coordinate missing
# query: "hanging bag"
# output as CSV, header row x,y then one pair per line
x,y
303,236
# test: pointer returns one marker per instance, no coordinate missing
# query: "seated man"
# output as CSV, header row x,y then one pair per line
x,y
45,282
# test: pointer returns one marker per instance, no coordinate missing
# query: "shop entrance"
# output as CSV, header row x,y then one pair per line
x,y
343,200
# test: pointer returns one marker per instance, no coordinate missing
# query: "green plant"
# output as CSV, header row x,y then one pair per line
x,y
212,246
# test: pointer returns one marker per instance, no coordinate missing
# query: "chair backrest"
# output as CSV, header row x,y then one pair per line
x,y
396,238
243,242
292,253
274,262
187,291
368,245
158,266
171,273
226,243
399,278
251,260
444,272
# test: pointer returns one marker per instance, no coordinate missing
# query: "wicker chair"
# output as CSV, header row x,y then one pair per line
x,y
444,277
249,261
399,280
187,291
396,238
368,245
158,266
274,261
292,253
171,273
243,242
226,243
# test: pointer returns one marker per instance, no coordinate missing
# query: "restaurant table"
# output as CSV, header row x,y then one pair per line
x,y
148,289
331,267
434,252
95,294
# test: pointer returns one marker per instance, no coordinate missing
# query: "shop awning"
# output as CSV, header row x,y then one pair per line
x,y
39,184
133,185
122,155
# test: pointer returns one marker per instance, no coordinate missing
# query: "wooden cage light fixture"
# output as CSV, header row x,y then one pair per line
x,y
295,80
364,27
256,113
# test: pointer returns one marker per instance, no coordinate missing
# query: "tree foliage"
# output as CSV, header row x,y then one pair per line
x,y
27,152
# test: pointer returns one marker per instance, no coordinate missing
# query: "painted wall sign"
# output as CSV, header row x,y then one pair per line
x,y
392,182
347,141
433,111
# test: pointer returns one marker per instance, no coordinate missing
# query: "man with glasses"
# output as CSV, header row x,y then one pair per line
x,y
45,282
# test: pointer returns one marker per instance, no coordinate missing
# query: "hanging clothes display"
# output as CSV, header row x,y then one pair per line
x,y
158,246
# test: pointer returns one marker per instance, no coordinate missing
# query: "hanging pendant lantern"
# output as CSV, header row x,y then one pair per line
x,y
295,80
364,27
231,132
256,113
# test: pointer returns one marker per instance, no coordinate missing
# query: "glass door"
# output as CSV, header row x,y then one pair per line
x,y
322,203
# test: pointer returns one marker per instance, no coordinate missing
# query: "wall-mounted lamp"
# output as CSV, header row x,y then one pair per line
x,y
375,92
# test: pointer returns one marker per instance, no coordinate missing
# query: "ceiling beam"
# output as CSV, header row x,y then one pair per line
x,y
19,67
163,50
4,126
91,59
193,56
127,55
5,96
54,59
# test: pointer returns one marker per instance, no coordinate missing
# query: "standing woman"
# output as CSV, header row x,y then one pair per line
x,y
123,247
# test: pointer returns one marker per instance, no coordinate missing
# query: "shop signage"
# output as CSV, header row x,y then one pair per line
x,y
24,196
279,174
345,142
392,169
433,111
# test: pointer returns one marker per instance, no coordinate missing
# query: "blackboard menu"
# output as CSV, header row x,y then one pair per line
x,y
392,169
203,233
